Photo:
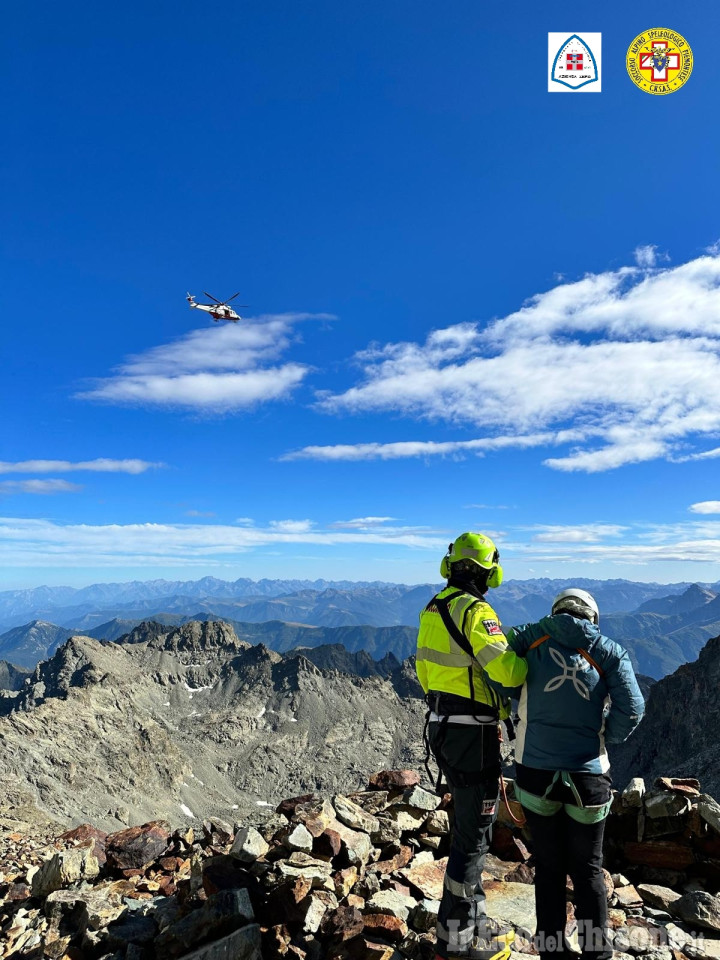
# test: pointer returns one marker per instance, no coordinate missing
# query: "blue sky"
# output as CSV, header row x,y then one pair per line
x,y
473,304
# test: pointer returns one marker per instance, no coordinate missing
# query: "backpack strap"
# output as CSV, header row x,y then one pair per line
x,y
443,608
583,653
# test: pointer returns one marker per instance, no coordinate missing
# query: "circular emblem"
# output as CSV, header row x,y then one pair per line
x,y
659,61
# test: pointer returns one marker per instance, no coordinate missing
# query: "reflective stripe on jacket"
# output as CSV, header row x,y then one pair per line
x,y
444,667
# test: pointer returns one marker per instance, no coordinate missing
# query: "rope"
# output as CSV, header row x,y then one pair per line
x,y
523,820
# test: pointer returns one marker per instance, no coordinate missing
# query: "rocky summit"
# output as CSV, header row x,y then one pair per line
x,y
679,732
354,876
190,722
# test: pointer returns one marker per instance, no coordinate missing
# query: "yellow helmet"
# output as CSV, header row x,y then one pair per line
x,y
479,550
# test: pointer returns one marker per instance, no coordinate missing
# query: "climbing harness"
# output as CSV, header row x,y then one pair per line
x,y
546,807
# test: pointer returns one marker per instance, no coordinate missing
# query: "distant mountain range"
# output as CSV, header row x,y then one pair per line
x,y
319,602
662,626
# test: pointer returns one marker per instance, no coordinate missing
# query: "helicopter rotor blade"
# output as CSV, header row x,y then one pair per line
x,y
232,297
211,297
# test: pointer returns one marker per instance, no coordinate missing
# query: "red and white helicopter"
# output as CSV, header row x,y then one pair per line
x,y
218,309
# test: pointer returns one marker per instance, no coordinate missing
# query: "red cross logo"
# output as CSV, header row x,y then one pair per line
x,y
574,61
659,62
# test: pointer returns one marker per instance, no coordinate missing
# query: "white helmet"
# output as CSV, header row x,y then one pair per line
x,y
578,603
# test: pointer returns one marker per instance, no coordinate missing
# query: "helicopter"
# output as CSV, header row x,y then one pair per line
x,y
218,309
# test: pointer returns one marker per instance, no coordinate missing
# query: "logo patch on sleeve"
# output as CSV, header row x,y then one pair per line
x,y
492,627
488,808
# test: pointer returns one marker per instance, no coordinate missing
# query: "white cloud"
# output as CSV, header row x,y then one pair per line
x,y
616,368
584,533
31,542
43,487
46,543
100,465
706,506
363,522
647,256
414,448
291,526
213,369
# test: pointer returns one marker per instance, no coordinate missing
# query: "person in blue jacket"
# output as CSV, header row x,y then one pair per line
x,y
580,694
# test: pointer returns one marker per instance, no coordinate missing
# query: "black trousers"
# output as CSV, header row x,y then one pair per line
x,y
563,847
469,756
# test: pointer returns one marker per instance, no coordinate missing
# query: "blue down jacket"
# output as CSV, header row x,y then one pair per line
x,y
568,710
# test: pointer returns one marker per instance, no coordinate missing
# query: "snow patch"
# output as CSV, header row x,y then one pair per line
x,y
262,713
234,806
192,690
187,811
260,803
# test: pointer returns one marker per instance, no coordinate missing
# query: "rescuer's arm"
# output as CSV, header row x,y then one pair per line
x,y
499,661
626,701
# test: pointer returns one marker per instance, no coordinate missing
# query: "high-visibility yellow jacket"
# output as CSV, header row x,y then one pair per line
x,y
444,667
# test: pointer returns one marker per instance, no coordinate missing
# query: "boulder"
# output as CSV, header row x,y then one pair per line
x,y
401,859
343,924
221,914
709,810
318,810
702,949
657,896
388,831
700,909
687,785
353,815
406,818
438,823
628,897
394,780
372,801
424,916
385,926
63,868
91,908
309,868
315,907
666,854
249,844
328,844
420,799
357,844
136,847
298,837
272,826
217,831
632,795
427,878
666,803
344,881
287,807
243,944
391,902
512,902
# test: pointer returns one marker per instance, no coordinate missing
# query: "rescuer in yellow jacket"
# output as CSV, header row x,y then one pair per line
x,y
467,672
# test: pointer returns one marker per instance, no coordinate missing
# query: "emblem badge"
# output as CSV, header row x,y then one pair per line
x,y
574,62
659,61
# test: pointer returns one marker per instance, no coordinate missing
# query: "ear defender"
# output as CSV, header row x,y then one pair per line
x,y
496,577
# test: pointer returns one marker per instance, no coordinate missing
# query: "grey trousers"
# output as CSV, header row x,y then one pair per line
x,y
469,757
